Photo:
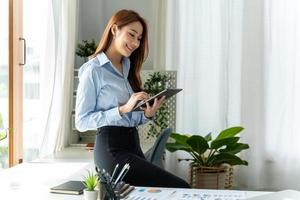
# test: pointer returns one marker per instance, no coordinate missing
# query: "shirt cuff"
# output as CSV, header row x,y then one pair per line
x,y
113,114
147,118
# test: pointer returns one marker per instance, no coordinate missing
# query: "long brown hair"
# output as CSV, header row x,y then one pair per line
x,y
122,18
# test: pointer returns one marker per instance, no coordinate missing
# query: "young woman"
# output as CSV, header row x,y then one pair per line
x,y
109,88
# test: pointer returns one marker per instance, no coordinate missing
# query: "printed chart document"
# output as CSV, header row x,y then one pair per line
x,y
150,194
281,195
211,195
185,194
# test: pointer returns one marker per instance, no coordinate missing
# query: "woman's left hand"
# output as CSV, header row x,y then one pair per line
x,y
150,111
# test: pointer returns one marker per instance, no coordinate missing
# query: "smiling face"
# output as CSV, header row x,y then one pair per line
x,y
127,38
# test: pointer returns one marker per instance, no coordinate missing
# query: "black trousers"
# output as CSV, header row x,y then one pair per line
x,y
121,145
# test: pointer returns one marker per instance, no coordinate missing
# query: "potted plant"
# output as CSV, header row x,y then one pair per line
x,y
90,181
3,131
212,159
86,49
156,83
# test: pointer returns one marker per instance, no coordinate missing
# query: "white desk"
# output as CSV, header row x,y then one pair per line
x,y
33,180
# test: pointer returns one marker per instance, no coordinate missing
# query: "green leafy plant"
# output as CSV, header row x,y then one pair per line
x,y
209,152
3,156
90,181
3,131
153,85
86,48
3,134
1,121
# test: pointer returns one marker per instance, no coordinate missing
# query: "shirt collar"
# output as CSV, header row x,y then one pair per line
x,y
103,59
126,66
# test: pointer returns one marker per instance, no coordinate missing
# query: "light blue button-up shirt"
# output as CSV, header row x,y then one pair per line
x,y
101,90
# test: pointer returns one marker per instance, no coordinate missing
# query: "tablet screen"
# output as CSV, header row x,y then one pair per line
x,y
167,93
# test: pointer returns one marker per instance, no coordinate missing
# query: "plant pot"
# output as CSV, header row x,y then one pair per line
x,y
211,177
90,195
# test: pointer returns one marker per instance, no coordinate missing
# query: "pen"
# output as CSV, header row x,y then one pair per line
x,y
125,172
100,174
120,174
113,174
121,177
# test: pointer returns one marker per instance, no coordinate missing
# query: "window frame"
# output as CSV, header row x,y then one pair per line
x,y
15,83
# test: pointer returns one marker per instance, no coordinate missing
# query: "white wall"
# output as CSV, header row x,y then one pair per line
x,y
91,19
94,14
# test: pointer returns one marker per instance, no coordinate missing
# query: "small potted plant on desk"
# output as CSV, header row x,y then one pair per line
x,y
212,159
90,181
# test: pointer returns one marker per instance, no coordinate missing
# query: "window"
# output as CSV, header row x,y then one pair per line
x,y
3,83
33,33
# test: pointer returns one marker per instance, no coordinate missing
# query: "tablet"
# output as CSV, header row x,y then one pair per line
x,y
167,93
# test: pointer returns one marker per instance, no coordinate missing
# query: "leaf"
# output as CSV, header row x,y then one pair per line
x,y
3,134
226,158
208,137
179,138
198,144
91,181
216,144
176,146
230,132
235,148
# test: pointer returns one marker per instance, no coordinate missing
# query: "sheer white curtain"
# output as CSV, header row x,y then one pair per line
x,y
159,58
238,62
203,44
57,68
277,158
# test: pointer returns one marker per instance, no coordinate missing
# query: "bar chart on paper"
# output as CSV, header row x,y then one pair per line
x,y
184,194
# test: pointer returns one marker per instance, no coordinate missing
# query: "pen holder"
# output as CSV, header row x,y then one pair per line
x,y
107,191
113,189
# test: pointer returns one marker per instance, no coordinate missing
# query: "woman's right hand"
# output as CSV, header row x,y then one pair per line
x,y
135,97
